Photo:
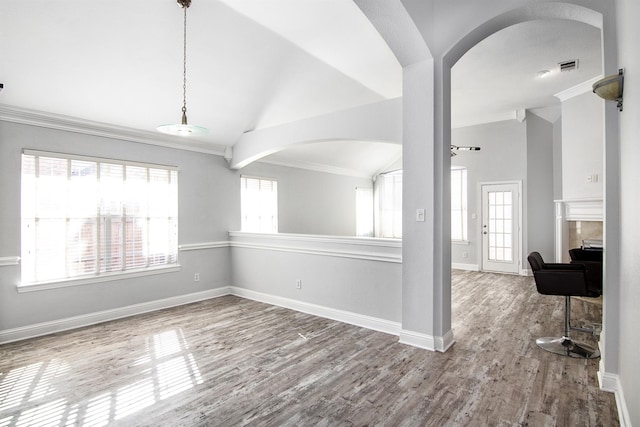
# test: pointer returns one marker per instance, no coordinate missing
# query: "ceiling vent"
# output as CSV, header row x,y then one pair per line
x,y
568,65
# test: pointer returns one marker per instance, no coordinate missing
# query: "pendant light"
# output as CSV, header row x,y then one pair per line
x,y
183,129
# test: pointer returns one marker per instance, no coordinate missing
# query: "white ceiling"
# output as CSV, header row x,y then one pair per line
x,y
498,76
254,64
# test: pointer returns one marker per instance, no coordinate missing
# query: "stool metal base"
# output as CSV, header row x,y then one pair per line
x,y
565,346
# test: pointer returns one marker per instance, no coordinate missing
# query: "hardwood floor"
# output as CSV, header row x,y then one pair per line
x,y
231,361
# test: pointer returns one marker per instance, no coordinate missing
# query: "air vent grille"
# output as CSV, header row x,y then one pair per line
x,y
568,65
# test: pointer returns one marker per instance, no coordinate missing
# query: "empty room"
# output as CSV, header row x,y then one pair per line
x,y
345,212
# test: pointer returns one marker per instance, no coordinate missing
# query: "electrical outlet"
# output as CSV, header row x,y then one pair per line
x,y
465,254
196,277
298,284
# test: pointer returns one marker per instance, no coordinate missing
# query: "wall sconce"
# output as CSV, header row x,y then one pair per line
x,y
610,88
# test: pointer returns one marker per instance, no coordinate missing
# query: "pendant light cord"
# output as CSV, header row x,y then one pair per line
x,y
184,64
183,129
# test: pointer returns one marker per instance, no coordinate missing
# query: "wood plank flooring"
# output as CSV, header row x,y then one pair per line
x,y
231,361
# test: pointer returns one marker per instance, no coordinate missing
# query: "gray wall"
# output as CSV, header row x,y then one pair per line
x,y
511,151
311,202
358,286
582,135
503,157
557,159
540,180
629,368
209,206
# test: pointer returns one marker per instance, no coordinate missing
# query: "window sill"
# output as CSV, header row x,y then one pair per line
x,y
460,242
87,280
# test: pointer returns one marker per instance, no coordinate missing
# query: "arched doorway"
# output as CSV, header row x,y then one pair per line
x,y
428,42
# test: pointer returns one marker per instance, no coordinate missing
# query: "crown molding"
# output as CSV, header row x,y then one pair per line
x,y
576,90
9,113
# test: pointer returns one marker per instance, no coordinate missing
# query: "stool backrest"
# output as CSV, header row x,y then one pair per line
x,y
535,261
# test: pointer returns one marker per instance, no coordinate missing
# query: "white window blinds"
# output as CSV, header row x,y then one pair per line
x,y
389,202
459,204
389,188
259,204
89,217
364,212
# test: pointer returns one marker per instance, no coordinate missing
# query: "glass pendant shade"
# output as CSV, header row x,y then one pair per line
x,y
183,129
610,88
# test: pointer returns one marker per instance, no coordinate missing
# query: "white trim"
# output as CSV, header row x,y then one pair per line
x,y
608,382
105,277
467,267
47,120
576,90
9,260
367,241
582,209
365,248
108,160
623,410
427,342
445,342
611,383
361,320
520,222
573,210
204,245
39,329
332,253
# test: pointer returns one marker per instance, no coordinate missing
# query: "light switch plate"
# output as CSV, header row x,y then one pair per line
x,y
420,215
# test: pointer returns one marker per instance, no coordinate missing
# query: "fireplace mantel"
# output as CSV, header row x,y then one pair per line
x,y
574,210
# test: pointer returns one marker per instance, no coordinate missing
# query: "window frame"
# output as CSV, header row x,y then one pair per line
x,y
74,278
365,212
388,201
461,209
274,219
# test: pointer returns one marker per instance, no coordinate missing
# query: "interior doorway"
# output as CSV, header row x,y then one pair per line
x,y
501,227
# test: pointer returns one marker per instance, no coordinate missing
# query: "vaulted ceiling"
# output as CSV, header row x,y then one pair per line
x,y
255,64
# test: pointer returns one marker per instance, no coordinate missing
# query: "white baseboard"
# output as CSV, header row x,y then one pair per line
x,y
467,267
608,382
611,383
427,342
39,329
361,320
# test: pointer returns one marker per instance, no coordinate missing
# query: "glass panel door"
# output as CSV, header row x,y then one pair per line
x,y
500,227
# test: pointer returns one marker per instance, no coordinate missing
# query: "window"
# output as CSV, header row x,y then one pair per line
x,y
389,189
364,212
259,204
389,202
85,217
459,204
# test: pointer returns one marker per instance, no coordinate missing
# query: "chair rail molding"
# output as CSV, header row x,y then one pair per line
x,y
9,260
366,248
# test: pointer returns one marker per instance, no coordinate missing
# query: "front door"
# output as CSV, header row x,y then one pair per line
x,y
501,227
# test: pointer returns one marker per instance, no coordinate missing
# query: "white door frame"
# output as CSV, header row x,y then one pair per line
x,y
518,259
